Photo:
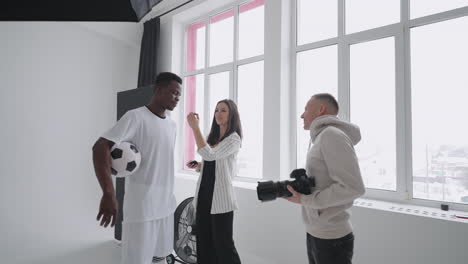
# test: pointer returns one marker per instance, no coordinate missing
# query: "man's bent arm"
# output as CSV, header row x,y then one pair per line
x,y
102,165
344,171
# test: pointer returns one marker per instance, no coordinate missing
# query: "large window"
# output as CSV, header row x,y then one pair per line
x,y
421,8
221,38
400,76
234,70
395,66
251,29
316,20
372,101
219,90
194,88
367,14
439,94
250,97
317,71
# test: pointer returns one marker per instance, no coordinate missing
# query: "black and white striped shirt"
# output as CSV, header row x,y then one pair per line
x,y
225,155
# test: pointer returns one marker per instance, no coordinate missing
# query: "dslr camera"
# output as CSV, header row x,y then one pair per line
x,y
270,190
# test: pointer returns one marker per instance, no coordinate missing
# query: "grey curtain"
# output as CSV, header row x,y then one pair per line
x,y
149,52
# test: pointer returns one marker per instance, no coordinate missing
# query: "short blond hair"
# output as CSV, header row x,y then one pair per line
x,y
329,100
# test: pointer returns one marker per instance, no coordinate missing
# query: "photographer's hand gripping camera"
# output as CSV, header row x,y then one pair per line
x,y
269,190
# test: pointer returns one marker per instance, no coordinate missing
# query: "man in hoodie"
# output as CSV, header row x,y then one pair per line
x,y
331,159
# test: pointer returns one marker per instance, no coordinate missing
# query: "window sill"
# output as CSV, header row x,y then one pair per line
x,y
416,210
187,175
245,185
238,183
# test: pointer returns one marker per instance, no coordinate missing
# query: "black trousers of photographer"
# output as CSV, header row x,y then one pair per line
x,y
330,251
215,244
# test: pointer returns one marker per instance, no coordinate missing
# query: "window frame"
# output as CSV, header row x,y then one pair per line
x,y
286,134
401,33
207,70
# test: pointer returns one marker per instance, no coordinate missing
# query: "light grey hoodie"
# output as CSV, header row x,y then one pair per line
x,y
331,159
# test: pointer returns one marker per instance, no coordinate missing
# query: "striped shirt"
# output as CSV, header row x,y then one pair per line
x,y
225,155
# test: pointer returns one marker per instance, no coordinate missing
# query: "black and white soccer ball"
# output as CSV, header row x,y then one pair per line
x,y
125,159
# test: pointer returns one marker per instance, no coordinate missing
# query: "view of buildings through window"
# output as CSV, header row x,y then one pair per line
x,y
372,62
439,92
401,81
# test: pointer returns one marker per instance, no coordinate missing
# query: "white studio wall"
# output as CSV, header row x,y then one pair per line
x,y
58,87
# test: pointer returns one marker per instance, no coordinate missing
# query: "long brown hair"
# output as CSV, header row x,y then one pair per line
x,y
234,124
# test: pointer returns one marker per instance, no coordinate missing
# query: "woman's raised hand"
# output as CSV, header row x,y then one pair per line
x,y
193,120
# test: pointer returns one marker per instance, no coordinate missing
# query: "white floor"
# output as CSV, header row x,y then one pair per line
x,y
104,252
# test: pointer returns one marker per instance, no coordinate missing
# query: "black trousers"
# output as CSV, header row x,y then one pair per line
x,y
214,231
330,251
215,244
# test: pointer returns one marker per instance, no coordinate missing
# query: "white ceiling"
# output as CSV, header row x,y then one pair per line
x,y
190,11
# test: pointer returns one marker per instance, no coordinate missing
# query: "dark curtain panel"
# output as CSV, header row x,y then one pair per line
x,y
149,53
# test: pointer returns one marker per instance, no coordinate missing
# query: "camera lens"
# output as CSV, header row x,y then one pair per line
x,y
269,190
283,188
266,191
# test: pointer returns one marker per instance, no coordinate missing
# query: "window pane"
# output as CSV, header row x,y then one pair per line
x,y
372,101
251,29
421,8
196,46
219,90
194,102
316,20
221,38
250,98
439,95
366,14
317,72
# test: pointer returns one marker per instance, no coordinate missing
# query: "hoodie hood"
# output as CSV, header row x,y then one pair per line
x,y
322,122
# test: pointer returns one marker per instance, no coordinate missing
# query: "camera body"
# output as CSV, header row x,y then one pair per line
x,y
270,190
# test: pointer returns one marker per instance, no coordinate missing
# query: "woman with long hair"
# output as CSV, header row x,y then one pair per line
x,y
215,200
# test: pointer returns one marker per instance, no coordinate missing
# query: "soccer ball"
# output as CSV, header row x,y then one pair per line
x,y
125,159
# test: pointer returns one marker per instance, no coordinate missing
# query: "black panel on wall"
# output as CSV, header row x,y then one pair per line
x,y
64,10
128,100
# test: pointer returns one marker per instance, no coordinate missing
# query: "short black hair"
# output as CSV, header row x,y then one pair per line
x,y
328,99
165,78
